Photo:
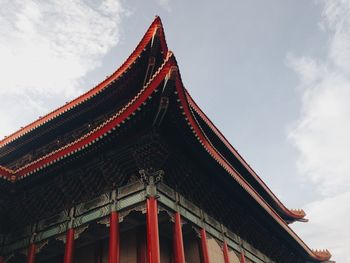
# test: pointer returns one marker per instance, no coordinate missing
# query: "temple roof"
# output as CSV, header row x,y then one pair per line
x,y
211,139
154,29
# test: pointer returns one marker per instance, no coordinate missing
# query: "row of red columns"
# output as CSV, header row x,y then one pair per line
x,y
153,247
226,257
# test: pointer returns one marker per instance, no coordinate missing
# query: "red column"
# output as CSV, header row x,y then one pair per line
x,y
31,253
153,249
204,244
179,253
225,250
242,257
113,254
1,259
68,253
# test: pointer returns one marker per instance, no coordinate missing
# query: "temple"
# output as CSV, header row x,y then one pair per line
x,y
133,171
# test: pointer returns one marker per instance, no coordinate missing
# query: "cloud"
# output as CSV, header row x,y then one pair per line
x,y
47,48
328,226
165,4
322,131
321,134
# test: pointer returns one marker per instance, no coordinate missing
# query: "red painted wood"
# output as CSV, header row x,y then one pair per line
x,y
114,240
159,77
225,251
179,253
69,250
85,140
6,172
153,249
204,246
130,60
227,166
242,257
2,259
284,209
31,253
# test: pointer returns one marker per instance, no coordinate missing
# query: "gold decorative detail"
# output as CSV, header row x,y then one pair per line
x,y
62,238
41,245
140,208
197,231
104,221
8,258
79,231
170,214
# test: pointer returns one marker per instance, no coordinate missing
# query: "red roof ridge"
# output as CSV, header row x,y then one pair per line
x,y
100,131
6,173
185,107
292,213
155,27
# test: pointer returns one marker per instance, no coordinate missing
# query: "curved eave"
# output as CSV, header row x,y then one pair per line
x,y
185,107
131,109
155,28
127,112
292,215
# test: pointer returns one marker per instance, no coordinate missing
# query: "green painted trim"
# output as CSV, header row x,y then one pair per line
x,y
20,244
50,232
129,196
86,212
91,216
192,213
131,200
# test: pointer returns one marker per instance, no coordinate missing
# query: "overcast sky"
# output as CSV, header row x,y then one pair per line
x,y
273,75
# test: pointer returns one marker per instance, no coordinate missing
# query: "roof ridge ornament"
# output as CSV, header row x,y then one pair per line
x,y
323,254
149,176
299,212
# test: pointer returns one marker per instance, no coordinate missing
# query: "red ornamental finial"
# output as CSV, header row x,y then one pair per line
x,y
323,254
